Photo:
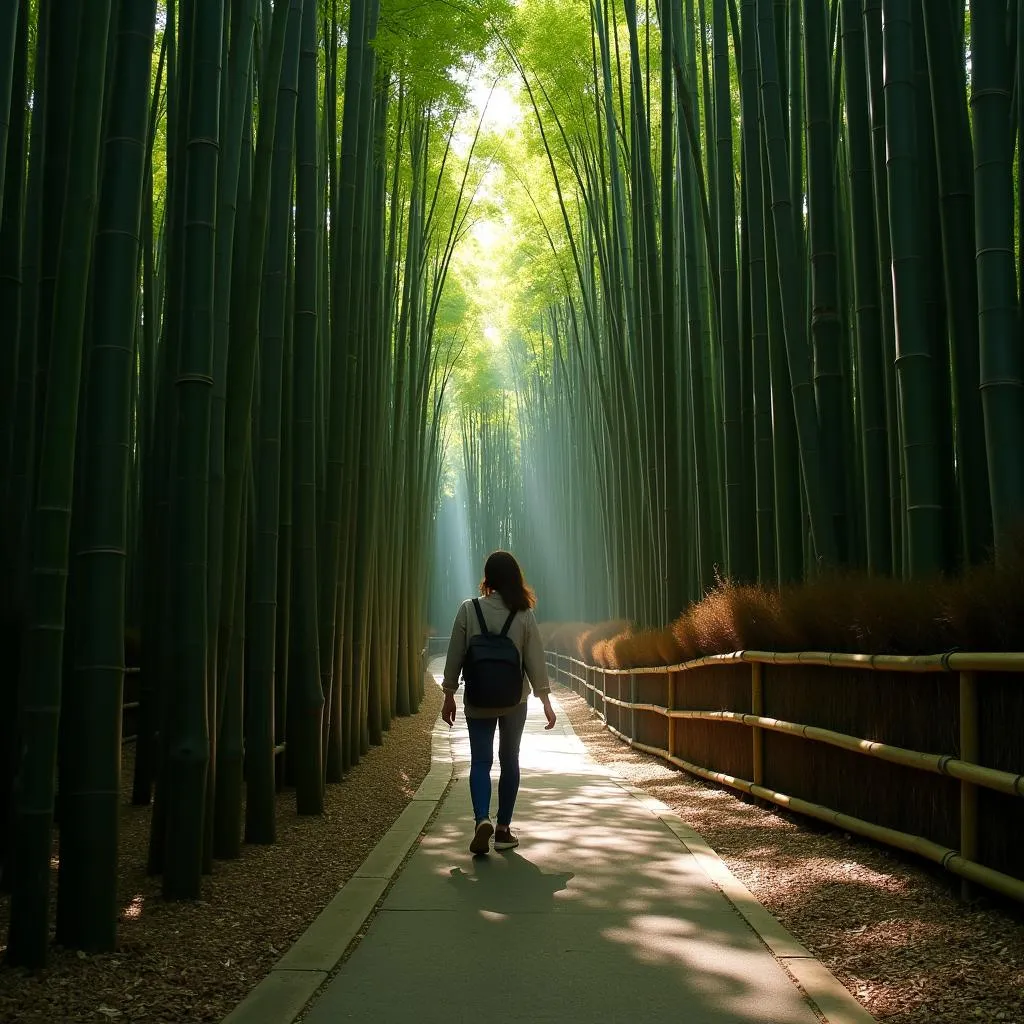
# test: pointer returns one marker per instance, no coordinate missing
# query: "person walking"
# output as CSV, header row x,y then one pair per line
x,y
505,607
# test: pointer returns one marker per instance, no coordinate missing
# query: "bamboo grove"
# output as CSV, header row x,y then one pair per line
x,y
782,331
226,230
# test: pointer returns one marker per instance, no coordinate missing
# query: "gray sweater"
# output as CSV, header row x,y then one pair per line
x,y
523,632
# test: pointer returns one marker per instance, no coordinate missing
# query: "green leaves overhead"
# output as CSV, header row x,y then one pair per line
x,y
435,45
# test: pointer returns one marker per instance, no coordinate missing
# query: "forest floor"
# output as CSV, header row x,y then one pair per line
x,y
179,963
890,928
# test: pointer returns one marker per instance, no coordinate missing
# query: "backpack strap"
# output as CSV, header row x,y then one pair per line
x,y
508,622
480,616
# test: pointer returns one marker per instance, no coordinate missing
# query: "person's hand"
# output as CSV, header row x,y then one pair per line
x,y
549,712
448,709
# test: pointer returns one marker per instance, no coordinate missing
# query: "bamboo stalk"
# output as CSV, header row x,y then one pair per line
x,y
948,858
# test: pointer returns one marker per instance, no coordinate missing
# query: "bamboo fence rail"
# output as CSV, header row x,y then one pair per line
x,y
591,680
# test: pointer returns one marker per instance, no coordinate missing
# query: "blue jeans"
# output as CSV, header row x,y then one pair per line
x,y
481,743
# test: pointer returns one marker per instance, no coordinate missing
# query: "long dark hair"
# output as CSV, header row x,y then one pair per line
x,y
502,575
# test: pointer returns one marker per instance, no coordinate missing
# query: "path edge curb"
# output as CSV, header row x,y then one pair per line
x,y
827,994
282,995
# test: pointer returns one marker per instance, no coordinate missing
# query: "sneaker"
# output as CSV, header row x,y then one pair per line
x,y
482,837
505,839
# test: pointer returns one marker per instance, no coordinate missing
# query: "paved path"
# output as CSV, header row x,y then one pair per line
x,y
601,915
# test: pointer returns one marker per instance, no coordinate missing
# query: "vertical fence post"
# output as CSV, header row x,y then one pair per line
x,y
671,707
969,751
757,708
632,701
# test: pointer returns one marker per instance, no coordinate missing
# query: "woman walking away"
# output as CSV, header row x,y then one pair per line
x,y
494,639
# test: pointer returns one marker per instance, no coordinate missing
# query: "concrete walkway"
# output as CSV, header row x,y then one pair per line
x,y
609,911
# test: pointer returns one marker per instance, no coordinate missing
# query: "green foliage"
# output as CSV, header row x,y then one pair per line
x,y
436,46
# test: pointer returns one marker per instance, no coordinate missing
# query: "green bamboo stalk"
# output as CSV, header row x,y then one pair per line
x,y
230,255
666,368
13,21
767,568
306,698
87,915
11,257
788,266
61,57
937,323
12,218
685,64
794,49
915,362
188,754
228,667
826,325
1002,363
343,214
740,531
42,665
245,327
872,13
956,185
261,624
870,357
157,623
24,433
282,671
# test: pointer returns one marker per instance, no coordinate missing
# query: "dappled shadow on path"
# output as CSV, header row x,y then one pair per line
x,y
891,928
602,914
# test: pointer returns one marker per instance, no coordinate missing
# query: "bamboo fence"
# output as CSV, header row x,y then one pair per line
x,y
592,682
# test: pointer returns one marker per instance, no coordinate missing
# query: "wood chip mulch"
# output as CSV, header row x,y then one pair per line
x,y
892,929
193,962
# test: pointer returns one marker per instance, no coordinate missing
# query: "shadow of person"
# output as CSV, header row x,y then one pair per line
x,y
508,883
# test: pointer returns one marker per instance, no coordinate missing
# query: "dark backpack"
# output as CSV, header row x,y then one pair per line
x,y
492,668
